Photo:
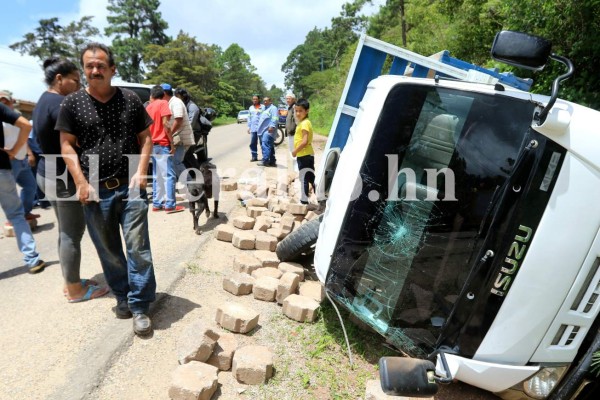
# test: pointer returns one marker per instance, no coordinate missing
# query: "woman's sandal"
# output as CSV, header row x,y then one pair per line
x,y
93,292
84,284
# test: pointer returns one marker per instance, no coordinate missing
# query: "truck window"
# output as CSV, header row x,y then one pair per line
x,y
436,158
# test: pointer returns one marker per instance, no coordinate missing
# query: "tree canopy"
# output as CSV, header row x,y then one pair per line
x,y
134,24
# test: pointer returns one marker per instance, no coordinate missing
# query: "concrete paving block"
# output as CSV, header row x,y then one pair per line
x,y
238,284
311,215
195,380
264,241
267,258
267,271
297,208
300,308
287,223
255,211
262,223
243,222
246,263
196,343
222,355
253,365
312,289
224,232
374,392
244,195
236,317
265,288
276,216
296,268
276,232
9,231
288,284
282,186
292,176
243,240
228,185
258,202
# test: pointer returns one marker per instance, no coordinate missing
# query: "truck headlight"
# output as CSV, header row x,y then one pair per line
x,y
541,384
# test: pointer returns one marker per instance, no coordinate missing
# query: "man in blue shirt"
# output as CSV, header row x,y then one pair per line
x,y
255,110
267,132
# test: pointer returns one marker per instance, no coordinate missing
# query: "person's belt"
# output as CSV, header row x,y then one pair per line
x,y
114,183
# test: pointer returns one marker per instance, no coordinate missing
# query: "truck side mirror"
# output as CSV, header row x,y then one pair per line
x,y
411,377
521,50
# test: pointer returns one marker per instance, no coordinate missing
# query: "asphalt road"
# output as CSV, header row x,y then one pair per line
x,y
51,349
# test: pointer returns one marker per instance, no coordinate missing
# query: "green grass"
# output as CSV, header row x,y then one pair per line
x,y
315,361
224,120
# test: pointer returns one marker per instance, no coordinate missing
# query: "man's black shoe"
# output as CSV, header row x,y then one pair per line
x,y
253,159
122,309
142,325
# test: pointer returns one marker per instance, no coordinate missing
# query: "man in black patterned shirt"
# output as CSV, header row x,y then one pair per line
x,y
106,144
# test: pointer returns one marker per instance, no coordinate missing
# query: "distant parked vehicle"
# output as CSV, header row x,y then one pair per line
x,y
142,90
242,116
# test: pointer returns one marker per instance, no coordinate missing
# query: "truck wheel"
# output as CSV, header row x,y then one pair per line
x,y
299,241
280,136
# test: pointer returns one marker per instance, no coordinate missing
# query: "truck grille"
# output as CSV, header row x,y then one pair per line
x,y
582,305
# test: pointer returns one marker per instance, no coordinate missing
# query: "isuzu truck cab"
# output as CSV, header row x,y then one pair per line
x,y
462,224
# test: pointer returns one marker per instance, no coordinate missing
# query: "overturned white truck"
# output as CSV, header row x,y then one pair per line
x,y
462,222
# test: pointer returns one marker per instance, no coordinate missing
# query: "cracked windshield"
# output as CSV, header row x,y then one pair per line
x,y
401,262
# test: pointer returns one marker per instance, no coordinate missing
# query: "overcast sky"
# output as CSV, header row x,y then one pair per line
x,y
267,30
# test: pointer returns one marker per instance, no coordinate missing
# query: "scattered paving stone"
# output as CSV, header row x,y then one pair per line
x,y
298,208
257,202
237,318
267,271
194,380
228,185
243,240
300,308
312,289
222,355
267,258
276,216
264,241
311,215
262,223
238,284
287,223
224,232
265,288
246,263
296,268
288,284
276,232
244,195
255,211
196,342
253,365
243,222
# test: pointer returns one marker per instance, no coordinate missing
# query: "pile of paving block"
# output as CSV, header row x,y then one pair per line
x,y
205,350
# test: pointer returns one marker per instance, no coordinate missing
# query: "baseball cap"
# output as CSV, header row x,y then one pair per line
x,y
5,94
166,86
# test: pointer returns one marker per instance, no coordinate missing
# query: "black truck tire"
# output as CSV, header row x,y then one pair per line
x,y
299,241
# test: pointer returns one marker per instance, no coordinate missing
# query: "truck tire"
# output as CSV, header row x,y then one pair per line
x,y
299,241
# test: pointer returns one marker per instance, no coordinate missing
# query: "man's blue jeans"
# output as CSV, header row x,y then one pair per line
x,y
24,177
268,149
178,166
11,204
130,278
163,184
254,145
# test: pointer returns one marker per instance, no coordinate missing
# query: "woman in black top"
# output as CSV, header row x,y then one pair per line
x,y
62,78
